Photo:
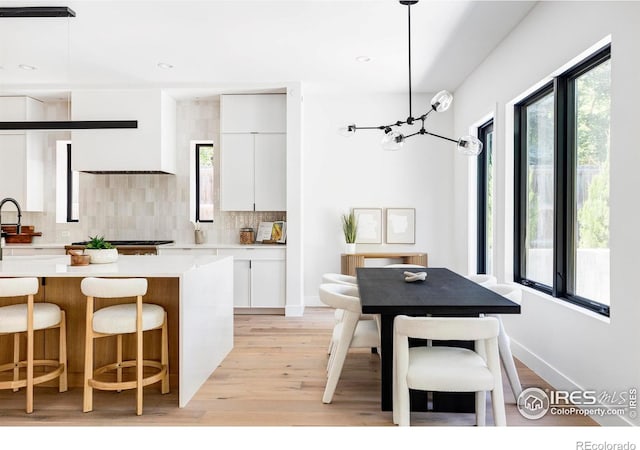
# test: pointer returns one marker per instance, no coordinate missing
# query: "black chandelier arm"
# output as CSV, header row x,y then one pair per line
x,y
438,136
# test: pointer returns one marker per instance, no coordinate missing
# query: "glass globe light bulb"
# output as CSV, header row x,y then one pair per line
x,y
469,145
347,131
441,101
392,141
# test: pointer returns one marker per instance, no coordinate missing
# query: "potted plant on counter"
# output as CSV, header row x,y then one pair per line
x,y
350,229
100,251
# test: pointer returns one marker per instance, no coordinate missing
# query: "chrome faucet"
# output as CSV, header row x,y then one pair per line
x,y
18,225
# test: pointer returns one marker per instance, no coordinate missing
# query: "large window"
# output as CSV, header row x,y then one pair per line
x,y
485,199
204,182
562,185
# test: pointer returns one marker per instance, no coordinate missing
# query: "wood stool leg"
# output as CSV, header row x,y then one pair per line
x,y
165,355
87,402
30,354
119,360
139,357
16,358
62,351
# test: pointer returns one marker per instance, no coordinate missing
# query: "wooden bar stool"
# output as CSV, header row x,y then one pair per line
x,y
118,320
27,318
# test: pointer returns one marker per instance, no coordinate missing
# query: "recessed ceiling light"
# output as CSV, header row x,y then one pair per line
x,y
27,67
163,65
364,58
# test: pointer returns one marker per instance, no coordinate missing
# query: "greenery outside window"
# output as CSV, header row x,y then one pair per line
x,y
204,182
562,185
485,199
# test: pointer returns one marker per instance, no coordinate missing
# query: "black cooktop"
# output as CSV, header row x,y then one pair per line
x,y
116,243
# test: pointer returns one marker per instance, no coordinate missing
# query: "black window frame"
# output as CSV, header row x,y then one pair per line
x,y
482,190
197,181
70,187
563,88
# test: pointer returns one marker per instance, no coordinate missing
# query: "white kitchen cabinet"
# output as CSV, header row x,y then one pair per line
x,y
259,277
34,251
253,172
150,148
22,168
253,113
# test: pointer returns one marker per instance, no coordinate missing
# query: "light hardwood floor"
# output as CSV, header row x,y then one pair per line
x,y
274,376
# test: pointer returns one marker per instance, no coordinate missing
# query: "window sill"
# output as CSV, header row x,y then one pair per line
x,y
530,292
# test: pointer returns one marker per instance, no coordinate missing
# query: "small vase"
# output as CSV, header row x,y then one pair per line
x,y
102,256
350,248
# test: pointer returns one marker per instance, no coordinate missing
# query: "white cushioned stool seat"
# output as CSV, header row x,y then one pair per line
x,y
121,319
13,318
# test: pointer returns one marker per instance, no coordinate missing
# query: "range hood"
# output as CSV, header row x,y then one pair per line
x,y
148,149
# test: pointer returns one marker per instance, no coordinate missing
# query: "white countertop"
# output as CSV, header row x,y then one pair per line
x,y
177,245
127,266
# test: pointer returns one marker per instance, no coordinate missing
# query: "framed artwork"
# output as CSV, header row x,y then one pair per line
x,y
401,226
369,222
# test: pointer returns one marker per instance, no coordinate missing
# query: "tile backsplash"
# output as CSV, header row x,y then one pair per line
x,y
144,206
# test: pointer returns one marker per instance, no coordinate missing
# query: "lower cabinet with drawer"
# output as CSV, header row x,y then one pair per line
x,y
259,278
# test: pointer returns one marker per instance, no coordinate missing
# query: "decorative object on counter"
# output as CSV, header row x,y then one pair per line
x,y
350,230
394,140
199,234
279,232
27,232
100,251
78,259
246,236
369,225
410,277
264,232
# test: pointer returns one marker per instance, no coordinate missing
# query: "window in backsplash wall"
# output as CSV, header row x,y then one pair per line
x,y
67,185
203,180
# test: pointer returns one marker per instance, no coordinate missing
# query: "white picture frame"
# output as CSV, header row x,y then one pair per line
x,y
369,222
401,226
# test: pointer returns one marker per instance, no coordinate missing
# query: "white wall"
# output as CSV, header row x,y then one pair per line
x,y
569,347
341,173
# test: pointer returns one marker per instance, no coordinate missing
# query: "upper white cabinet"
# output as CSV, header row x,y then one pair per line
x,y
149,148
253,156
259,113
253,172
21,170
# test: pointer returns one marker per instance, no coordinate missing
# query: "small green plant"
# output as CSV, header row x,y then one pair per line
x,y
349,227
98,242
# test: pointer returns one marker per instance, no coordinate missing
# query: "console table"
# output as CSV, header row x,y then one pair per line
x,y
349,262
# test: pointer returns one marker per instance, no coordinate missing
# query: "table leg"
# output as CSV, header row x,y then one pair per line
x,y
386,361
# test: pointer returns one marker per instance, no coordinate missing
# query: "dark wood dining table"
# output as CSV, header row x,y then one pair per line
x,y
444,293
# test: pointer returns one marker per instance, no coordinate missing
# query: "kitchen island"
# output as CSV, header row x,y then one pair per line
x,y
196,292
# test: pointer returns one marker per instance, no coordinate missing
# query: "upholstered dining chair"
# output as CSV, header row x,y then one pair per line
x,y
350,332
483,279
514,294
404,266
28,317
448,369
117,320
348,280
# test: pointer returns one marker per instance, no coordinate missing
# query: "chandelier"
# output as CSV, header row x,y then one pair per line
x,y
393,139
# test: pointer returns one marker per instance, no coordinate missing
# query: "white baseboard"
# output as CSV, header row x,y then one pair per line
x,y
313,300
294,310
560,381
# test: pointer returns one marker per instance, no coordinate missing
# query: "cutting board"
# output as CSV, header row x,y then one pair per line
x,y
25,237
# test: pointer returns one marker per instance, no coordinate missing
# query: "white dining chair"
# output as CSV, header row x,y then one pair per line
x,y
514,294
447,369
348,280
483,279
350,332
404,266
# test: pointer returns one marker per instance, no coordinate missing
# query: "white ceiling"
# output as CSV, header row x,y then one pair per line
x,y
218,44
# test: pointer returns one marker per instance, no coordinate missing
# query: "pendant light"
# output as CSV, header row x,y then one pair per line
x,y
393,139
